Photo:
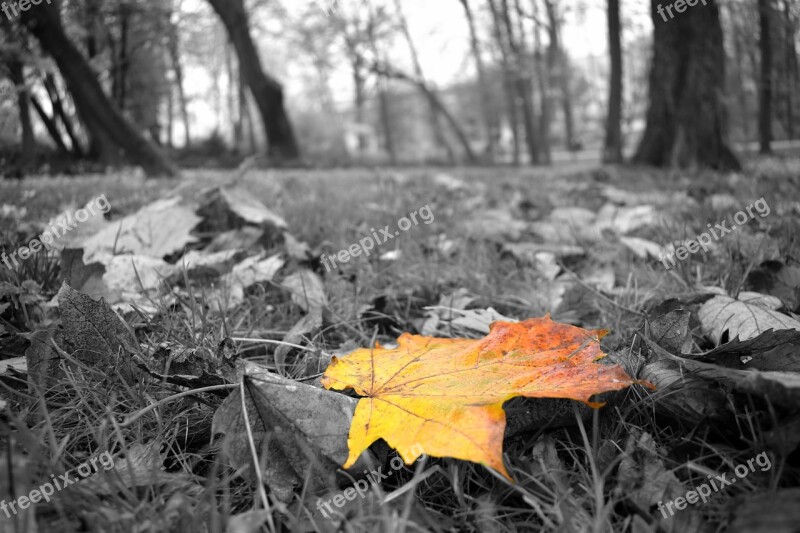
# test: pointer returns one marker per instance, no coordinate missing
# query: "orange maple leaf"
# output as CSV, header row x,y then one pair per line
x,y
446,396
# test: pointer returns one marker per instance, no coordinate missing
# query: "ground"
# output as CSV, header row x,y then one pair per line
x,y
582,244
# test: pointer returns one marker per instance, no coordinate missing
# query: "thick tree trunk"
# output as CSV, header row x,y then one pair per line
x,y
101,118
686,118
790,70
16,72
267,92
489,122
612,152
765,81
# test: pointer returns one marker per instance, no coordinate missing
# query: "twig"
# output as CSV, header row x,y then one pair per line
x,y
270,341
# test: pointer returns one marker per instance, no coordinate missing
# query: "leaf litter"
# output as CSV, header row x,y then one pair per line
x,y
228,244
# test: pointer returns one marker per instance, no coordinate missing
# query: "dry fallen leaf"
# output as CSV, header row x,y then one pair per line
x,y
156,230
740,319
232,207
446,396
300,428
308,290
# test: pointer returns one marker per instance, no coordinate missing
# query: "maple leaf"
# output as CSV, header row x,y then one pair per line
x,y
446,395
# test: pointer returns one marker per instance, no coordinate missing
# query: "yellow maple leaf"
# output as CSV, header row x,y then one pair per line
x,y
445,396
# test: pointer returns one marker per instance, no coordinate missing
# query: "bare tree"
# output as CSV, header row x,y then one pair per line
x,y
16,73
489,122
104,122
520,73
434,116
174,49
57,103
267,92
613,143
765,81
558,65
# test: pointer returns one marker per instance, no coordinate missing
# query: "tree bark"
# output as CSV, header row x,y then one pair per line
x,y
543,76
386,119
173,45
559,71
686,118
612,152
16,72
791,68
522,83
436,104
765,85
433,116
58,111
267,92
508,82
51,126
489,123
99,115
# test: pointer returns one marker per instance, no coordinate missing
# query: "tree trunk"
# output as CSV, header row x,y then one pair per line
x,y
434,116
51,125
267,92
791,70
173,46
386,120
612,152
360,99
489,122
741,90
58,111
543,75
170,118
765,85
559,71
101,118
521,81
435,103
686,119
508,82
16,72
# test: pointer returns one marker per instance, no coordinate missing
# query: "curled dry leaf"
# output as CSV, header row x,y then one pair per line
x,y
445,396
